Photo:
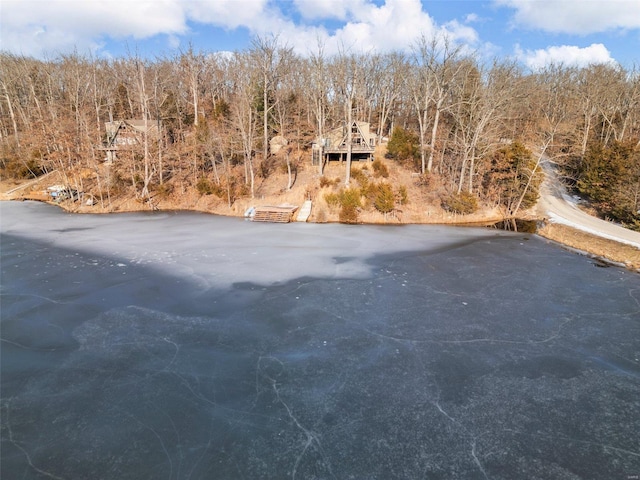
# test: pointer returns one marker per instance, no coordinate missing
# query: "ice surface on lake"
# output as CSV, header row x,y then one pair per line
x,y
189,346
219,251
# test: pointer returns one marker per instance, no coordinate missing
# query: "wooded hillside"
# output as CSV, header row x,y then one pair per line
x,y
204,121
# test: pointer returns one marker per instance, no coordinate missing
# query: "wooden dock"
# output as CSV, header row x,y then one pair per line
x,y
277,214
38,196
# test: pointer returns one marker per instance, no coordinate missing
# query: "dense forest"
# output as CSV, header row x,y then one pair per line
x,y
476,130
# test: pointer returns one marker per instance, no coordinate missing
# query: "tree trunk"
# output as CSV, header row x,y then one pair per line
x,y
434,134
290,183
194,87
347,178
320,108
11,114
585,137
253,179
145,135
423,131
265,120
472,166
463,167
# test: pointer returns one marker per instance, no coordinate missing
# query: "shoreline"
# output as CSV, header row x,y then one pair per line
x,y
603,251
476,219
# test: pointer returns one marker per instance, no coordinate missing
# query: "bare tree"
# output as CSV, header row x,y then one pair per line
x,y
346,75
271,60
243,112
482,101
193,65
436,66
141,85
391,71
8,98
630,108
317,89
551,97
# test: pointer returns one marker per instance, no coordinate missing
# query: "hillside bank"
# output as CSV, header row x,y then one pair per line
x,y
423,205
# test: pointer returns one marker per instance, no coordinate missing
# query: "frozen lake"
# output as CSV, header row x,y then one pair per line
x,y
188,346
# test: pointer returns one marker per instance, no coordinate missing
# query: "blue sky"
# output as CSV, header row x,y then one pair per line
x,y
535,32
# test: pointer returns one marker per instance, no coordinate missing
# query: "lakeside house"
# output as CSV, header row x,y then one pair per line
x,y
126,135
335,144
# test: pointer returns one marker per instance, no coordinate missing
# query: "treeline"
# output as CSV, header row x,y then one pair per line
x,y
463,124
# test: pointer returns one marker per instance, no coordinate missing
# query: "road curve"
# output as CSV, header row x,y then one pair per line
x,y
557,206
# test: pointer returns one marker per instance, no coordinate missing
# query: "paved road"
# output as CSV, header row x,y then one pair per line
x,y
557,206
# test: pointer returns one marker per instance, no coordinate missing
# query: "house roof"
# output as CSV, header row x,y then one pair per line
x,y
133,129
133,124
336,137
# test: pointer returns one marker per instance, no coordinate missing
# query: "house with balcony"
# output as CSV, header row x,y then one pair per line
x,y
127,135
335,144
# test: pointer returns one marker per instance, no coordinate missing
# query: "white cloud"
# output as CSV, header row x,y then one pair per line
x,y
566,55
390,26
34,27
394,25
575,17
471,18
226,13
173,42
326,9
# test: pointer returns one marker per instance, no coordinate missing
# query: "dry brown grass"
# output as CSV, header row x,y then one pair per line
x,y
599,247
423,206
